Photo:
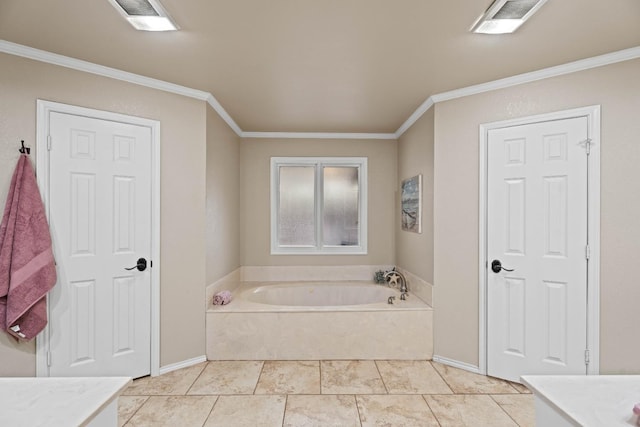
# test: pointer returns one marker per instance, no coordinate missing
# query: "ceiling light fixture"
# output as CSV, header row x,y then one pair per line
x,y
505,16
145,15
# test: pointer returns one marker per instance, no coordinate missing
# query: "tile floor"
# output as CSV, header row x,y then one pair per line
x,y
324,393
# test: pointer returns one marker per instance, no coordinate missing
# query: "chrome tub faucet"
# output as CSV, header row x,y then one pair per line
x,y
396,279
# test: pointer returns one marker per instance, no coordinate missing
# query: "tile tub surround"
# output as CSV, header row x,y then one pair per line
x,y
243,330
421,288
326,393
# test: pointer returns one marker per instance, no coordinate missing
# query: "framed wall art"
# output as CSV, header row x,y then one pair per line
x,y
411,203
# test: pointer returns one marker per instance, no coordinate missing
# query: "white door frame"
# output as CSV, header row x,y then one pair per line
x,y
44,108
592,113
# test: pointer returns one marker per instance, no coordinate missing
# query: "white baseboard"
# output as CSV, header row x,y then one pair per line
x,y
184,364
457,364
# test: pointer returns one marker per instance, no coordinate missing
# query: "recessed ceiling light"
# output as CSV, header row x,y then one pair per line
x,y
145,15
505,16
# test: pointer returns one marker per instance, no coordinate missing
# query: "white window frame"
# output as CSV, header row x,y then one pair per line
x,y
319,163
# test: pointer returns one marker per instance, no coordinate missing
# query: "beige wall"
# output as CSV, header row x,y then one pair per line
x,y
183,153
203,162
255,155
414,252
617,89
223,198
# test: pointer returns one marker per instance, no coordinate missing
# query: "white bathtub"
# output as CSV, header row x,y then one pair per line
x,y
319,294
319,321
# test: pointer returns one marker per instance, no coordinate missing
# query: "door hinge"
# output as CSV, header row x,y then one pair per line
x,y
48,142
587,252
586,357
48,358
587,145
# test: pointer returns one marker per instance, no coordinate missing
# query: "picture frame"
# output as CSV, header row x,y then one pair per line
x,y
411,204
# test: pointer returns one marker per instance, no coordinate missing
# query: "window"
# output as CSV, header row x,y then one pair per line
x,y
318,205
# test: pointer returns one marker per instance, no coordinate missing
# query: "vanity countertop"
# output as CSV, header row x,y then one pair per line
x,y
589,400
56,401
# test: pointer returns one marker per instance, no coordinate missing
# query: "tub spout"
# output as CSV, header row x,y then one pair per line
x,y
396,279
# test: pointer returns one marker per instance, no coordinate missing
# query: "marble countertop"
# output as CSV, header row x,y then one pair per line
x,y
593,400
56,401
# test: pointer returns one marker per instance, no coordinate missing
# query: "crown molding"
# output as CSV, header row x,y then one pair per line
x,y
423,108
218,108
89,67
318,135
545,73
101,70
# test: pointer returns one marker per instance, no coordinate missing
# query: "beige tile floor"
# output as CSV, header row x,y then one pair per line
x,y
325,393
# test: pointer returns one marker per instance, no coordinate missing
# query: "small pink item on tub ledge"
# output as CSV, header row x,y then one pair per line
x,y
636,409
222,298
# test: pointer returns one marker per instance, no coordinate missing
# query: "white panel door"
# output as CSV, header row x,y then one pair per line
x,y
100,214
537,227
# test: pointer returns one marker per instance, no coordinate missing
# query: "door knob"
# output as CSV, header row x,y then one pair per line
x,y
496,266
141,265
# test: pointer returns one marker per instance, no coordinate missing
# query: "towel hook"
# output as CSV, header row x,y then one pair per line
x,y
23,149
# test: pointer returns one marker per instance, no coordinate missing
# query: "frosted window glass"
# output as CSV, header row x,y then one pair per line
x,y
340,216
296,225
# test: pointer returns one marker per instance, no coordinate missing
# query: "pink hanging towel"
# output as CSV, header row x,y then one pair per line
x,y
27,267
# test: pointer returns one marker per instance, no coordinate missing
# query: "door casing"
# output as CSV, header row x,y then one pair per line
x,y
592,113
44,108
